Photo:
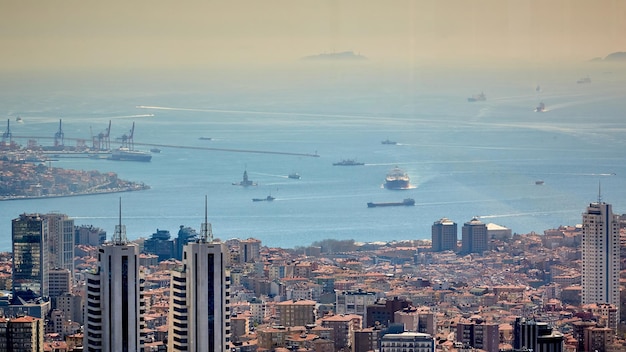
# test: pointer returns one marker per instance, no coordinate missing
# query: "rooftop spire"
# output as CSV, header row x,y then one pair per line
x,y
599,192
206,234
119,237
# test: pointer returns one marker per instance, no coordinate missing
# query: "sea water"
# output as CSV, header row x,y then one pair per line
x,y
465,159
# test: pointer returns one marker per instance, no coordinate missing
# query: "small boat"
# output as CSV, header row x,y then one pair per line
x,y
406,202
294,175
19,120
205,138
155,150
477,97
266,199
541,107
584,80
539,182
387,141
348,162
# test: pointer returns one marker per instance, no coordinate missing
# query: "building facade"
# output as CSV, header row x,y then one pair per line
x,y
407,342
444,235
474,237
30,256
600,255
61,241
199,316
114,306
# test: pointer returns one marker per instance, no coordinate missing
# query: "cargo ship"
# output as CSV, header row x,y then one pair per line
x,y
397,179
126,154
477,97
266,199
348,162
387,141
406,202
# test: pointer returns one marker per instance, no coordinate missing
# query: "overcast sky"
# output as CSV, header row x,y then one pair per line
x,y
156,33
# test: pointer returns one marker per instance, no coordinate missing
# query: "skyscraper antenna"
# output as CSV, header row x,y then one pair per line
x,y
599,192
206,233
119,237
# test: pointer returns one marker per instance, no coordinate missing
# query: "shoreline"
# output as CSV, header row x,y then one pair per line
x,y
129,189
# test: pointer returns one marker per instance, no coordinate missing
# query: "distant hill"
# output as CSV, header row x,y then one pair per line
x,y
617,56
341,56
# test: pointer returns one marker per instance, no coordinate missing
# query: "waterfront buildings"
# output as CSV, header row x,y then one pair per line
x,y
600,255
444,235
114,306
474,237
199,315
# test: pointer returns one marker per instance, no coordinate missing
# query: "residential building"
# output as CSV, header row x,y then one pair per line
x,y
114,307
478,334
474,237
407,342
600,255
199,315
444,235
296,313
354,302
22,334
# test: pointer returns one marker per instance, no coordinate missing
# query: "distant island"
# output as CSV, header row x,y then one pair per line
x,y
619,56
340,56
25,180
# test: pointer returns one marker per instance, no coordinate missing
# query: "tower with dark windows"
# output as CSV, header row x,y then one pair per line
x,y
114,307
474,237
30,257
199,315
444,235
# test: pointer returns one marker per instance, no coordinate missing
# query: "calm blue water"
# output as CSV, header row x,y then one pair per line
x,y
465,159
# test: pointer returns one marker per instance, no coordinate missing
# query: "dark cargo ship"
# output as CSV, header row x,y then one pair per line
x,y
348,162
407,202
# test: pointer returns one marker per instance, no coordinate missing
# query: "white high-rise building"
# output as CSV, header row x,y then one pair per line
x,y
114,308
61,241
600,255
199,315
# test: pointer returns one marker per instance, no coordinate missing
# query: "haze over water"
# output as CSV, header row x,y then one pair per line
x,y
464,159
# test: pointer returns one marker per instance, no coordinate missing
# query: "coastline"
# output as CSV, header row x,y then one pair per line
x,y
141,187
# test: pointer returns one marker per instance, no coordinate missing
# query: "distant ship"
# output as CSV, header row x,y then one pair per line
x,y
125,154
266,199
155,150
205,138
19,120
245,182
584,80
539,182
477,97
407,202
387,141
294,175
348,162
541,107
397,179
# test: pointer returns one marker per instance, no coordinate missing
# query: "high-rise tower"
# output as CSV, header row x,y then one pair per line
x,y
114,308
444,235
30,256
474,237
199,316
61,241
600,255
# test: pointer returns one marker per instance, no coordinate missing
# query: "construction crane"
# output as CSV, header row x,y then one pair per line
x,y
59,136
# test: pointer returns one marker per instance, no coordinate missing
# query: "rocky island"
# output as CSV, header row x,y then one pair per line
x,y
25,180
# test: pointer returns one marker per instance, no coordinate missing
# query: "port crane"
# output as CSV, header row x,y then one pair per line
x,y
59,136
127,139
102,141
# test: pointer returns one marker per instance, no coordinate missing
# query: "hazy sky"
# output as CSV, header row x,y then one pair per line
x,y
156,33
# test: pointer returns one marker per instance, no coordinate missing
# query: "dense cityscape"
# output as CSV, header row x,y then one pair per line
x,y
70,287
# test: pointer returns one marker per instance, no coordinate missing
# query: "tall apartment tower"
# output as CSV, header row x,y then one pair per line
x,y
30,256
199,315
114,308
474,237
444,235
61,241
600,255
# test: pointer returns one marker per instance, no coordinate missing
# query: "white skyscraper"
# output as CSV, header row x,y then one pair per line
x,y
600,255
114,308
199,316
